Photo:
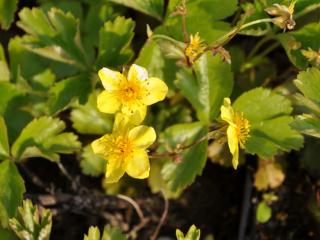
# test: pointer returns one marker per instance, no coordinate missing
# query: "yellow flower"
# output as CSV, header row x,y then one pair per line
x,y
125,149
284,15
194,48
129,94
237,132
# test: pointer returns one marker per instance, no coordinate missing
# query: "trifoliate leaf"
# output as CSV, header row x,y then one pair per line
x,y
212,82
11,191
192,234
31,222
44,137
114,43
55,36
4,142
63,92
268,115
264,212
92,164
269,174
87,119
152,8
7,10
179,175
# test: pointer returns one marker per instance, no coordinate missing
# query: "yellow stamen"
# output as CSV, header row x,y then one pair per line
x,y
195,48
242,129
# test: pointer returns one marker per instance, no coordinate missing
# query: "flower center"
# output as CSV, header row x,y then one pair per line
x,y
243,128
130,91
195,48
118,147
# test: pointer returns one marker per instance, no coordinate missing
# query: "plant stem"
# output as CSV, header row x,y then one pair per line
x,y
163,217
307,10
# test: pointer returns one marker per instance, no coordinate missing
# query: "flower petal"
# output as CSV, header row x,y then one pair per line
x,y
122,124
233,143
142,136
98,145
137,112
115,170
156,91
108,102
137,73
110,79
138,166
227,113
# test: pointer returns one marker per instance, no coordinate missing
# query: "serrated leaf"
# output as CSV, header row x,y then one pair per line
x,y
64,91
114,42
44,137
308,82
152,8
179,175
93,234
212,82
192,234
55,36
7,10
31,223
87,119
268,114
307,124
11,191
92,164
264,212
109,233
4,142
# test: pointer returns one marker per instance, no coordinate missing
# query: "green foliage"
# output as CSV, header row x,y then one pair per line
x,y
114,40
44,137
264,212
32,223
92,164
108,234
192,234
207,88
153,8
4,143
179,175
7,10
11,191
268,114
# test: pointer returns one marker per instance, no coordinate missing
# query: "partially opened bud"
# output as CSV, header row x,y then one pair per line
x,y
283,15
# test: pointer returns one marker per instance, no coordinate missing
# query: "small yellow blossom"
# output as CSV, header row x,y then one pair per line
x,y
237,132
194,48
129,94
284,15
125,149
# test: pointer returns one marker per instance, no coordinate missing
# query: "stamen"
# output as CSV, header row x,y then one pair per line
x,y
243,128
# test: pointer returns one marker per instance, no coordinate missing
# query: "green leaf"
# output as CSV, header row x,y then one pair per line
x,y
152,8
4,142
192,234
108,234
206,89
264,212
307,124
7,10
11,191
152,58
92,164
4,70
7,234
87,119
268,114
44,137
63,92
31,223
308,82
302,39
179,175
114,42
55,36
